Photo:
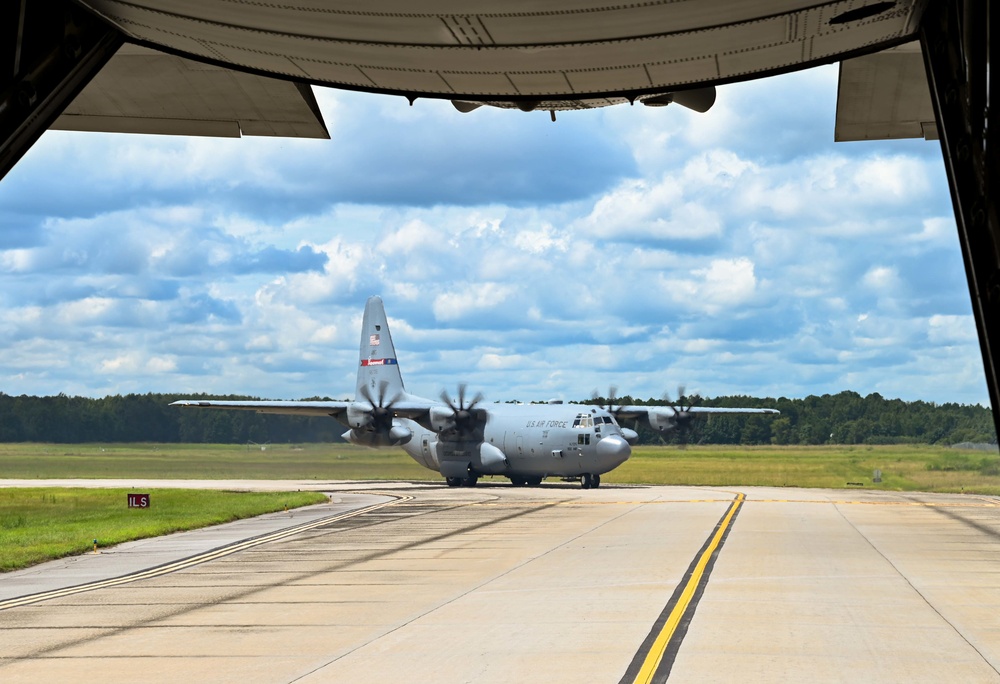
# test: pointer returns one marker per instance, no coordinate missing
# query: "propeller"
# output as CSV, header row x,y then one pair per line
x,y
371,419
682,412
611,398
381,410
613,406
463,420
614,403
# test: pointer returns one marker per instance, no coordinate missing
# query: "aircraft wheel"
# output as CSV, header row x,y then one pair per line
x,y
453,481
533,481
596,482
586,481
518,481
470,481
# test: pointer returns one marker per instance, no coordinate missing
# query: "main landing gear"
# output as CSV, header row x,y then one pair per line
x,y
468,481
588,481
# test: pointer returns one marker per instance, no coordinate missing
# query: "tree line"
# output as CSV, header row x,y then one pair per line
x,y
844,418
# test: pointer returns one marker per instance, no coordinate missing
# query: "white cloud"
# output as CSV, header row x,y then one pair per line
x,y
724,284
472,298
492,361
893,180
135,362
628,246
951,330
17,260
543,240
882,279
936,229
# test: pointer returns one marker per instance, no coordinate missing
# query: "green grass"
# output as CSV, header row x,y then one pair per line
x,y
904,467
208,461
38,524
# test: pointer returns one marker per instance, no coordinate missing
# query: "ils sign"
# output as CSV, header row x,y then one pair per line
x,y
138,500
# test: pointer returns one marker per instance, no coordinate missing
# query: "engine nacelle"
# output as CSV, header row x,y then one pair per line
x,y
631,436
662,419
397,436
491,459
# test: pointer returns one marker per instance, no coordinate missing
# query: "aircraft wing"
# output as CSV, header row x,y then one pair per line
x,y
708,409
145,91
412,408
632,412
667,418
291,408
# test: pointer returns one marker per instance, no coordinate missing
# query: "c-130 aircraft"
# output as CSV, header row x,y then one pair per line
x,y
464,440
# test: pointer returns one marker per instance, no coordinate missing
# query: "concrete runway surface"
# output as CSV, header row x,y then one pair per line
x,y
421,583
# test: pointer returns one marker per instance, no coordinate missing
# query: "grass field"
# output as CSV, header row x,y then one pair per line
x,y
38,524
904,467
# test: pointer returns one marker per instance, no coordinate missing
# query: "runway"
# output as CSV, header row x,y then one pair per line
x,y
555,583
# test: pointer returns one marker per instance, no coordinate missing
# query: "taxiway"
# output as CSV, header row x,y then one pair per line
x,y
498,584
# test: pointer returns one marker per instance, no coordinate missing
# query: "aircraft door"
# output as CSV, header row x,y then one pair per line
x,y
426,453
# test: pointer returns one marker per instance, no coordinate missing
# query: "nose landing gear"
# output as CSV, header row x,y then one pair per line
x,y
588,481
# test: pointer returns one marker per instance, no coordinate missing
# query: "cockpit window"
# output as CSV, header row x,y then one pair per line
x,y
583,420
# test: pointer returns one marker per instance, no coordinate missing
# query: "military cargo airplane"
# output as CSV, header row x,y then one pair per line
x,y
465,439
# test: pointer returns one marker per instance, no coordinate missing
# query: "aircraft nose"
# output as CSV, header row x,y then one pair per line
x,y
614,448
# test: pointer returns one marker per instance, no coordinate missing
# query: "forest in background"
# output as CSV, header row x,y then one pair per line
x,y
843,418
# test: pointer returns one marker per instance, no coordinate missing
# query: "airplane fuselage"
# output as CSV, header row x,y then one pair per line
x,y
535,440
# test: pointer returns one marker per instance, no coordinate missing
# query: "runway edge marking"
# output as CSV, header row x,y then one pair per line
x,y
655,657
197,559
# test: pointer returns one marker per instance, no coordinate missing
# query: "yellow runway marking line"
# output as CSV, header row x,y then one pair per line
x,y
828,502
193,560
659,647
636,502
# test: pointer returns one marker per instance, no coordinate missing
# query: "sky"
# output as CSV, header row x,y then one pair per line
x,y
740,251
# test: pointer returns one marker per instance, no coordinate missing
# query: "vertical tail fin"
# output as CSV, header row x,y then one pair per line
x,y
378,372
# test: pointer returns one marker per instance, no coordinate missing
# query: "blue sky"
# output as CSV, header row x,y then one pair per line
x,y
735,252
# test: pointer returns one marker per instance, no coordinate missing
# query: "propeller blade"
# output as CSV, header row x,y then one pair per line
x,y
475,400
447,400
367,395
612,399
